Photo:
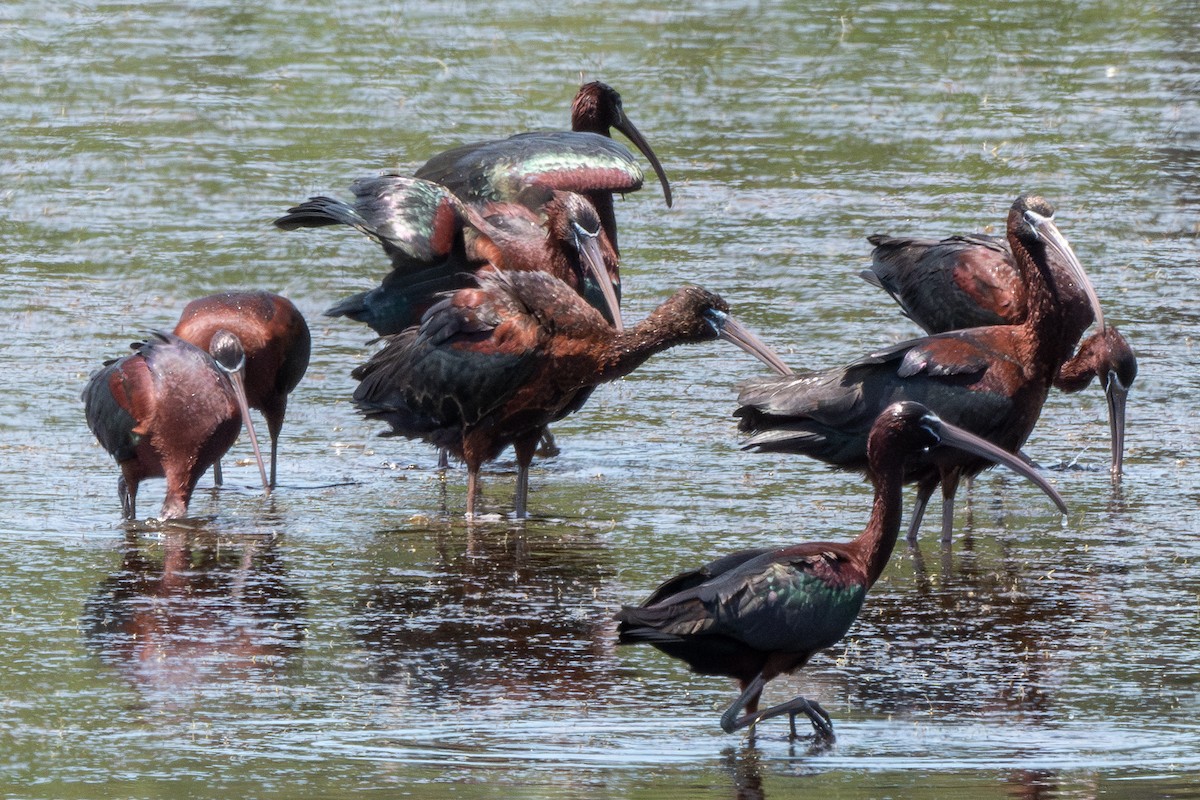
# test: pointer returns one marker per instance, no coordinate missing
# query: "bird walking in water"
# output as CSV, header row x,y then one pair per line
x,y
971,281
763,612
276,342
172,410
991,381
492,366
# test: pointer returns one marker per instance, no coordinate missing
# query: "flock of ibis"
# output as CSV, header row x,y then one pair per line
x,y
501,314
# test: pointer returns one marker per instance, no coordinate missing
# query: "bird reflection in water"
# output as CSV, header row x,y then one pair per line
x,y
194,613
1034,784
486,614
744,766
979,632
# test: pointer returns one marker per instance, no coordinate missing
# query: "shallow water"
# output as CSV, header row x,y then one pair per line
x,y
352,635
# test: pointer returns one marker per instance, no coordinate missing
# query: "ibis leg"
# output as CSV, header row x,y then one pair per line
x,y
949,487
525,449
472,490
730,721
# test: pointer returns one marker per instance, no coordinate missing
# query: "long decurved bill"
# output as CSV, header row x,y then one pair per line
x,y
226,351
239,391
1058,244
1116,393
588,245
956,437
634,135
733,331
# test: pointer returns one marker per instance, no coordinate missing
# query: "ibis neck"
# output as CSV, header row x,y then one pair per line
x,y
878,539
1076,373
1054,327
627,351
603,201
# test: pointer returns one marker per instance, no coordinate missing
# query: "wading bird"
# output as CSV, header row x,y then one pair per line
x,y
436,241
492,366
170,409
760,613
576,160
991,381
276,341
970,281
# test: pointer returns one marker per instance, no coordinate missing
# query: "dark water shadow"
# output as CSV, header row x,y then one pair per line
x,y
745,768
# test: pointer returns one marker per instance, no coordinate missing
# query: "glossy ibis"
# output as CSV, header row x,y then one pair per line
x,y
435,241
494,365
991,381
969,281
763,612
577,160
170,409
597,108
275,339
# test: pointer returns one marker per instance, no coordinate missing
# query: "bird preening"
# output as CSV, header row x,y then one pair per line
x,y
990,380
498,314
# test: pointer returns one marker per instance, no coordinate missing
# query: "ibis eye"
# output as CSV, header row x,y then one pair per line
x,y
715,319
583,232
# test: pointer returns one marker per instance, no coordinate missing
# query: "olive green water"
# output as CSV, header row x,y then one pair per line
x,y
351,636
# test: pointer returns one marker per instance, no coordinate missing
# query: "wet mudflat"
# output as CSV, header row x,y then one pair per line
x,y
352,635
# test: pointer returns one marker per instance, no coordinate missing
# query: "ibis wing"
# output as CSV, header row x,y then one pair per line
x,y
472,351
790,599
107,418
567,160
827,415
418,224
949,284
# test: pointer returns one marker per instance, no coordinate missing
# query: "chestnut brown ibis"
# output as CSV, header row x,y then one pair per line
x,y
492,366
170,409
991,381
276,341
598,108
760,613
436,241
577,160
969,281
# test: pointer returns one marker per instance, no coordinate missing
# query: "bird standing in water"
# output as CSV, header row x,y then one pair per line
x,y
491,366
539,200
991,381
276,342
971,281
760,613
170,409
